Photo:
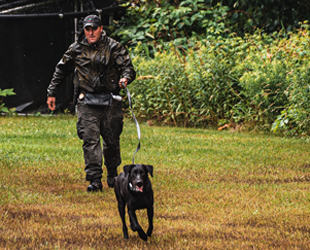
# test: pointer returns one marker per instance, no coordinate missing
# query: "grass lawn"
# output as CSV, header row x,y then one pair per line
x,y
213,189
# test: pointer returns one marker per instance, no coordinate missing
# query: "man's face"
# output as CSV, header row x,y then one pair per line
x,y
93,35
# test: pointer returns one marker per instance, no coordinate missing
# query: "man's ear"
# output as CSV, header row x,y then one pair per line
x,y
127,169
149,169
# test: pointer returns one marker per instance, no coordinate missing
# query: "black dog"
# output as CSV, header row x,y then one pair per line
x,y
134,188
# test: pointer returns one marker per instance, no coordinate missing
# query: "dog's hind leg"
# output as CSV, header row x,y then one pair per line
x,y
135,226
150,214
121,209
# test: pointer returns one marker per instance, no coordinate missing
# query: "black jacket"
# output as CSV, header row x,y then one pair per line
x,y
97,68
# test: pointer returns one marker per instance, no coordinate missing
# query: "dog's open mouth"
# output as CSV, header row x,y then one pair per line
x,y
139,189
136,188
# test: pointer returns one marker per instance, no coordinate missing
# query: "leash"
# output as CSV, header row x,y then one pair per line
x,y
137,124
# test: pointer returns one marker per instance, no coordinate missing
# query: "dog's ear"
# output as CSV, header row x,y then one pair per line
x,y
127,169
149,169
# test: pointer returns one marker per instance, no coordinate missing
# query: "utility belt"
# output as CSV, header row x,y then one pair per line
x,y
94,99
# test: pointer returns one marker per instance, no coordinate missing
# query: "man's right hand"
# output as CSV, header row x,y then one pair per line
x,y
51,103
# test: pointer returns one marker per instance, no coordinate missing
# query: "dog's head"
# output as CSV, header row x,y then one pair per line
x,y
137,175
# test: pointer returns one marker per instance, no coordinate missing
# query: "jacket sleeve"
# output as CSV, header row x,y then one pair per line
x,y
64,67
124,63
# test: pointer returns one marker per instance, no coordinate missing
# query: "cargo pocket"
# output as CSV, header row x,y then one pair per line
x,y
79,127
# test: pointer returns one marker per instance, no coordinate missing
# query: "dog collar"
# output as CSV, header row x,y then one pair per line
x,y
135,189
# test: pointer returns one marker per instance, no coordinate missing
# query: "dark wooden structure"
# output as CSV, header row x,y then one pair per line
x,y
34,35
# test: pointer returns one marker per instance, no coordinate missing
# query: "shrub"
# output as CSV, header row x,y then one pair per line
x,y
4,93
258,81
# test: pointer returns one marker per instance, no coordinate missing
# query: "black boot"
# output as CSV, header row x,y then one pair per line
x,y
110,177
95,186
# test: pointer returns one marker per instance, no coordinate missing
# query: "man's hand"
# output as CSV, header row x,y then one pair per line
x,y
51,103
123,80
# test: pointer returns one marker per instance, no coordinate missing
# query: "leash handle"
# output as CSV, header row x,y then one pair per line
x,y
136,122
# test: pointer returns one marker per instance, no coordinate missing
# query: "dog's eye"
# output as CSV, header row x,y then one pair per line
x,y
135,173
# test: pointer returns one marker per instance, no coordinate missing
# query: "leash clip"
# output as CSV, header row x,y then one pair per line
x,y
116,97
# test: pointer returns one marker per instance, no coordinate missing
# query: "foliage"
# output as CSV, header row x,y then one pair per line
x,y
164,20
244,16
246,82
194,71
295,118
149,21
4,93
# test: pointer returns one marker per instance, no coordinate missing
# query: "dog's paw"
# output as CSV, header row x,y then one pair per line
x,y
133,228
149,232
125,232
142,235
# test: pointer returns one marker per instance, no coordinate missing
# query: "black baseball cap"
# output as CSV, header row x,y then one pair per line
x,y
92,21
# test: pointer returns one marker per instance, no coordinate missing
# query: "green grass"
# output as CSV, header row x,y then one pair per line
x,y
213,189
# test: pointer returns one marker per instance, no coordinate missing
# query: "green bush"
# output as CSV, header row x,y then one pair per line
x,y
164,22
295,118
4,93
258,81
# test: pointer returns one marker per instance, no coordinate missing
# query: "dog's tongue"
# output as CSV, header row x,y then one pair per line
x,y
140,189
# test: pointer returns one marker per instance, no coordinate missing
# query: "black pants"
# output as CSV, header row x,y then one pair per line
x,y
104,121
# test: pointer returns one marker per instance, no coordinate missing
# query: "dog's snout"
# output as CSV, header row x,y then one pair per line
x,y
139,183
139,177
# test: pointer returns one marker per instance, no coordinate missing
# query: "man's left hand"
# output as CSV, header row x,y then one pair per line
x,y
124,81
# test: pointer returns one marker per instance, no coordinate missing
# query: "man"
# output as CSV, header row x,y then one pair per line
x,y
101,68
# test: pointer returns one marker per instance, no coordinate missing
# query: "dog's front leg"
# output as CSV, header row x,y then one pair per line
x,y
150,214
121,209
134,224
